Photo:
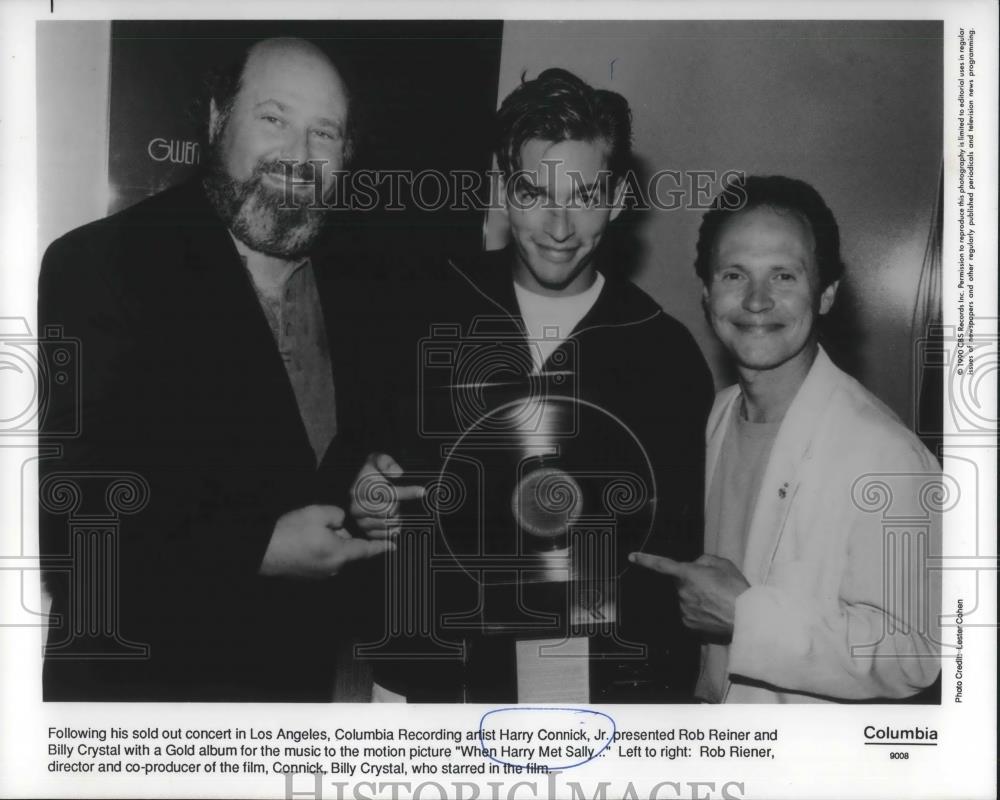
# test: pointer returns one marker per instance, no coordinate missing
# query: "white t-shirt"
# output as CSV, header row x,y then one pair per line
x,y
550,319
732,499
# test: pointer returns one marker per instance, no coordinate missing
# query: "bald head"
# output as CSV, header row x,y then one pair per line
x,y
284,134
273,66
287,46
275,56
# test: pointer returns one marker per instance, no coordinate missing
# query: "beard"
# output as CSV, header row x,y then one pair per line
x,y
257,214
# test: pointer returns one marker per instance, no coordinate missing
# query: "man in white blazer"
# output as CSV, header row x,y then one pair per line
x,y
810,589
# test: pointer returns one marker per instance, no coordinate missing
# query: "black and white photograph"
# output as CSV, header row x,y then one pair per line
x,y
412,404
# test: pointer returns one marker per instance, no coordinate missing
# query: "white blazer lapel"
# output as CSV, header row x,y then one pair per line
x,y
791,450
715,430
774,501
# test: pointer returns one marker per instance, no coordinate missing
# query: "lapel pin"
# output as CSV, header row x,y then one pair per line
x,y
783,490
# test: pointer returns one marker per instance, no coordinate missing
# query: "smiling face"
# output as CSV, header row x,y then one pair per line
x,y
559,208
764,297
291,107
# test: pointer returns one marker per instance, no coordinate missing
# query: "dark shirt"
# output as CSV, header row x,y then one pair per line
x,y
291,303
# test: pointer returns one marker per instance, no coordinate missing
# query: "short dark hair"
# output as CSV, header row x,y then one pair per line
x,y
224,83
781,193
558,106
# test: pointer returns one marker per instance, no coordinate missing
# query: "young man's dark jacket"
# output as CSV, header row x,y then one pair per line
x,y
629,359
184,397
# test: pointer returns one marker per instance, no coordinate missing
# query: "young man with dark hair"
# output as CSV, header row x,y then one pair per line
x,y
579,340
804,593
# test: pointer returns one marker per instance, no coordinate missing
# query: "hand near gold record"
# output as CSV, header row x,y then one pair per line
x,y
376,495
707,589
311,542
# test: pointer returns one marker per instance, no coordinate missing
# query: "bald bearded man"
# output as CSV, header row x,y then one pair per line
x,y
220,376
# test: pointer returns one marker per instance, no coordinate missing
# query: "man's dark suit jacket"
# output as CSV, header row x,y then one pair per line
x,y
182,385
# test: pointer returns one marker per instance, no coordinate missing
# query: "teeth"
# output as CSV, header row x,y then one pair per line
x,y
280,177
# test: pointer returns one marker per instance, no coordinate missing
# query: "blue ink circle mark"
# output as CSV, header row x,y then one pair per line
x,y
579,716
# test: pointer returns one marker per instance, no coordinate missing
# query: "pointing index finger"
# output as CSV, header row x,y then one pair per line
x,y
359,549
410,491
662,564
